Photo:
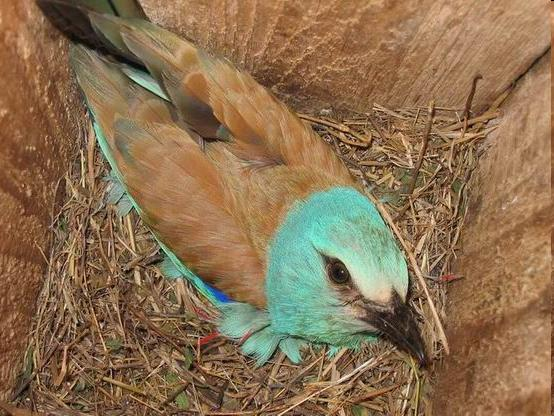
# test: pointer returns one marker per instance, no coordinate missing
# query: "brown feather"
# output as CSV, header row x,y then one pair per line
x,y
182,196
164,54
177,187
217,209
260,197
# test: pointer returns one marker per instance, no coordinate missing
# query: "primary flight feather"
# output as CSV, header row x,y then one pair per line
x,y
237,189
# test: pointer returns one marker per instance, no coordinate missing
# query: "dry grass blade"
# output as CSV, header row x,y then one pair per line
x,y
417,167
113,337
369,363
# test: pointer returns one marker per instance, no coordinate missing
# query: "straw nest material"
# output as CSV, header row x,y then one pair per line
x,y
113,337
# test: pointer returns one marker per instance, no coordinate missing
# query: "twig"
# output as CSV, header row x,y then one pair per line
x,y
423,148
419,162
336,126
147,405
467,137
340,136
175,393
469,99
489,115
123,385
373,393
368,363
376,127
91,147
467,109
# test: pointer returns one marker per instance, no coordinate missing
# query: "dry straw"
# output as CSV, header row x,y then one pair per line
x,y
113,337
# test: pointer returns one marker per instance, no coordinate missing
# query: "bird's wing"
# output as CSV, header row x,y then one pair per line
x,y
260,158
217,100
180,192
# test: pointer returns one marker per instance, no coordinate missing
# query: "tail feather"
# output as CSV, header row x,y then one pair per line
x,y
108,29
126,8
72,18
111,94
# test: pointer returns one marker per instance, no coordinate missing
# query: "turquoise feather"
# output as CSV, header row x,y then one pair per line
x,y
331,222
145,80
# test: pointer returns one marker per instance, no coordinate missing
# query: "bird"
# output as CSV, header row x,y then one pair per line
x,y
247,202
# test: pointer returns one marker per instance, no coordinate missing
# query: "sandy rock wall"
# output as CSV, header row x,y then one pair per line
x,y
353,53
499,314
39,116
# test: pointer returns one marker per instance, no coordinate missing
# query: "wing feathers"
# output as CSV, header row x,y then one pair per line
x,y
262,124
209,205
183,200
177,187
164,55
209,92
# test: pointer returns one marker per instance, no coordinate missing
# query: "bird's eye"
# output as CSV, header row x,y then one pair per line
x,y
337,271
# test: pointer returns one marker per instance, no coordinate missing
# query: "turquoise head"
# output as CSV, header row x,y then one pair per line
x,y
336,275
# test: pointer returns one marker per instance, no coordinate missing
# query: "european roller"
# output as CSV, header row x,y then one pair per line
x,y
246,200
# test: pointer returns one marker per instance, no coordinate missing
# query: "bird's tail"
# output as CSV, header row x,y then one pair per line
x,y
72,17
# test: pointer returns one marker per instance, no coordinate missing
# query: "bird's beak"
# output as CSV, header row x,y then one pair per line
x,y
398,325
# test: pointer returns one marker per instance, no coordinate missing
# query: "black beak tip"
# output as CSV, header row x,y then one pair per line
x,y
423,360
416,348
400,327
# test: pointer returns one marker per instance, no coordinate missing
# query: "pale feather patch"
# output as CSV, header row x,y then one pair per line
x,y
261,345
117,195
124,206
145,80
115,192
380,294
291,347
239,319
169,269
243,322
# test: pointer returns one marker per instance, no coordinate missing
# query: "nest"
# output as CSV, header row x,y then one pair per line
x,y
113,337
